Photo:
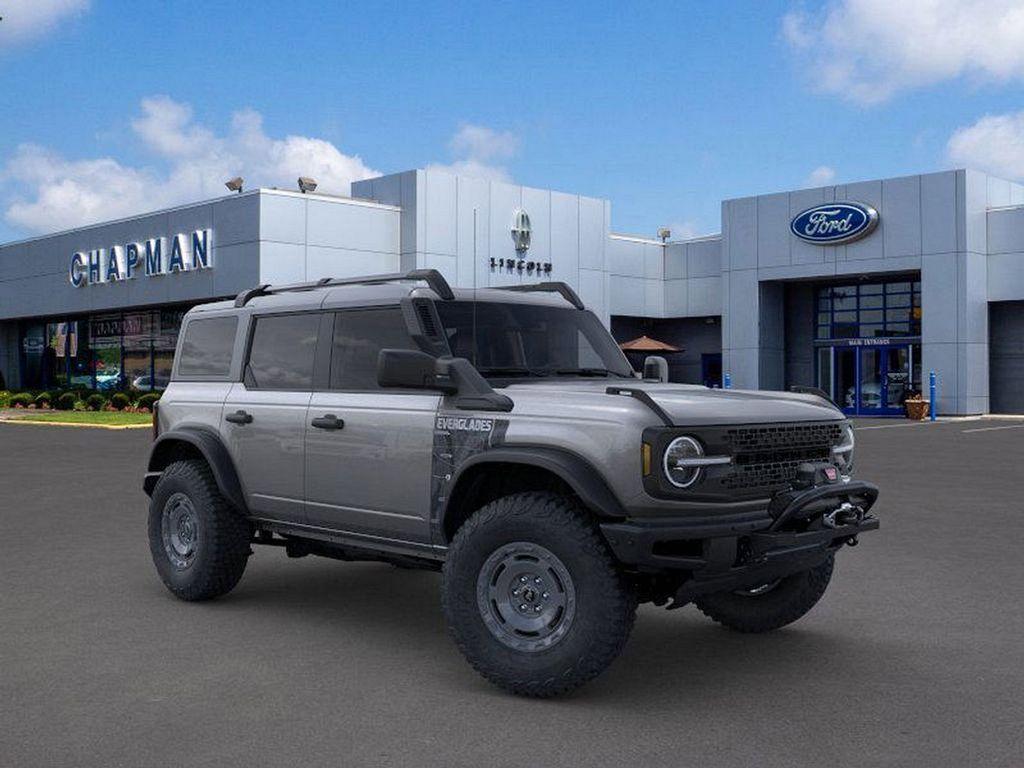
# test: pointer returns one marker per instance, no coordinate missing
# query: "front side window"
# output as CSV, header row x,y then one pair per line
x,y
531,340
282,352
359,336
205,348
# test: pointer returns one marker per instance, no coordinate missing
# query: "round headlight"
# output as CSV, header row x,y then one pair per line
x,y
843,451
679,452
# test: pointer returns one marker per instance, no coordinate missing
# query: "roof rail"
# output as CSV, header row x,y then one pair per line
x,y
552,287
434,279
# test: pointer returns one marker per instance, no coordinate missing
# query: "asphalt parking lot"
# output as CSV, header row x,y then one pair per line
x,y
914,657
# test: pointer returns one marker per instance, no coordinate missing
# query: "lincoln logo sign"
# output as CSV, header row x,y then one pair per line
x,y
834,223
156,256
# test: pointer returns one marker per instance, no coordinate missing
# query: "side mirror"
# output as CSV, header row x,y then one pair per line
x,y
655,368
410,369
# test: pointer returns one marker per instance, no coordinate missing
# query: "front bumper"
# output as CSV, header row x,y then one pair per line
x,y
720,553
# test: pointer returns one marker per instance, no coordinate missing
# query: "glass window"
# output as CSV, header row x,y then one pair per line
x,y
206,348
871,302
105,337
282,353
845,302
870,288
899,300
530,340
871,316
359,336
897,287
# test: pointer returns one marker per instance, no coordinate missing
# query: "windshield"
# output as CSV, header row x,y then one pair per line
x,y
530,340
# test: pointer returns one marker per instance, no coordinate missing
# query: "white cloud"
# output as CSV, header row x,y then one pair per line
x,y
868,50
820,176
479,151
685,230
25,20
48,192
994,143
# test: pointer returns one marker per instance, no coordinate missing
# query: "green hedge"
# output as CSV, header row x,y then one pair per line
x,y
66,402
22,398
43,400
5,398
120,400
147,400
95,402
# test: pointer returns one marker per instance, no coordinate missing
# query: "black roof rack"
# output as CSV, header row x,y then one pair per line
x,y
552,287
434,279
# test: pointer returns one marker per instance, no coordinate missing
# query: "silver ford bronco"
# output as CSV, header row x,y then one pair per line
x,y
500,436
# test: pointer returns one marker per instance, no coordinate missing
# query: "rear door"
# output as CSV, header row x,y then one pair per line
x,y
368,450
265,413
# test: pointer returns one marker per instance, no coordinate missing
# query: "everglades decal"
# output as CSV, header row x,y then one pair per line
x,y
456,439
463,424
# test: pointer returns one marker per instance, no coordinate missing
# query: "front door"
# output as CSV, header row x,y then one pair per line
x,y
369,450
870,380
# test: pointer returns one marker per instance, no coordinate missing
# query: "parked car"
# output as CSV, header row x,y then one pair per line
x,y
501,437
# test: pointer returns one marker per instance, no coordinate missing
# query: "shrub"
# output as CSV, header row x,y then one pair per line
x,y
23,399
43,400
146,401
95,402
120,401
66,402
5,398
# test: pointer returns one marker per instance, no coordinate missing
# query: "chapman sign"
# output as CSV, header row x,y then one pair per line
x,y
156,256
834,223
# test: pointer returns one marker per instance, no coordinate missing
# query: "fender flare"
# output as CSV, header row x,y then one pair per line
x,y
577,472
213,450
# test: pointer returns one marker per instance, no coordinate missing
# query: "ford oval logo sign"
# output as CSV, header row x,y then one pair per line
x,y
834,223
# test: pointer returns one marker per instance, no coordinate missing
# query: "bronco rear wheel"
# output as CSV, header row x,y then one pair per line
x,y
199,543
532,596
764,607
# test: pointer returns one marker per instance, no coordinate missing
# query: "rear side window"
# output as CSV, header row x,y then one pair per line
x,y
206,347
282,352
359,336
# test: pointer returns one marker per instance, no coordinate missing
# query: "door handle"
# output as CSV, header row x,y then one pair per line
x,y
239,417
328,421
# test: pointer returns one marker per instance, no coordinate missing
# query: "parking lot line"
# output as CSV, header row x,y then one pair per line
x,y
992,429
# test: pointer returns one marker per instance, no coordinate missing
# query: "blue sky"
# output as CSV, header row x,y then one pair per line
x,y
111,107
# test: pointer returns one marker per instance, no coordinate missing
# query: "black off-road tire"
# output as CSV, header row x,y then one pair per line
x,y
603,604
786,602
219,537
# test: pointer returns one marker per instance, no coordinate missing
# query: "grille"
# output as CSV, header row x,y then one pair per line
x,y
767,456
426,317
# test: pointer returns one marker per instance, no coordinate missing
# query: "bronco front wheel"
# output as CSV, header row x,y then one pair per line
x,y
532,596
765,607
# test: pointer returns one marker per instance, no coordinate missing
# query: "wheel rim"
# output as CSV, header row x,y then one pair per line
x,y
526,596
179,528
760,589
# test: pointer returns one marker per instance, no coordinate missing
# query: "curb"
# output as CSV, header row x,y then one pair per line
x,y
74,424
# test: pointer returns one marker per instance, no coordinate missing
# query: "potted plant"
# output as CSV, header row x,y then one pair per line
x,y
916,406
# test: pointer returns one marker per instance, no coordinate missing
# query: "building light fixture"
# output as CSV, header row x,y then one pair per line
x,y
235,184
307,184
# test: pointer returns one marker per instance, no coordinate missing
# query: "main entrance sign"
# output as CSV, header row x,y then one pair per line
x,y
156,256
834,223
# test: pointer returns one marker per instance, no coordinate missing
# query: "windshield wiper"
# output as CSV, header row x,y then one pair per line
x,y
511,371
587,372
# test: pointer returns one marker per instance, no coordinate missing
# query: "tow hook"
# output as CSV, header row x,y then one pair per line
x,y
845,514
852,541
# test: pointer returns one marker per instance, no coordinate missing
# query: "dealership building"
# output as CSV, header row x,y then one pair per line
x,y
860,289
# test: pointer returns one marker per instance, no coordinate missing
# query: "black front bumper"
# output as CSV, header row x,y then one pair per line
x,y
719,553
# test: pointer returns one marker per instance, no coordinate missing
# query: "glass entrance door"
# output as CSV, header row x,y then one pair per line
x,y
869,380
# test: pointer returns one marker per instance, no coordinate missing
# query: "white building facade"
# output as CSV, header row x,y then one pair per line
x,y
934,280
